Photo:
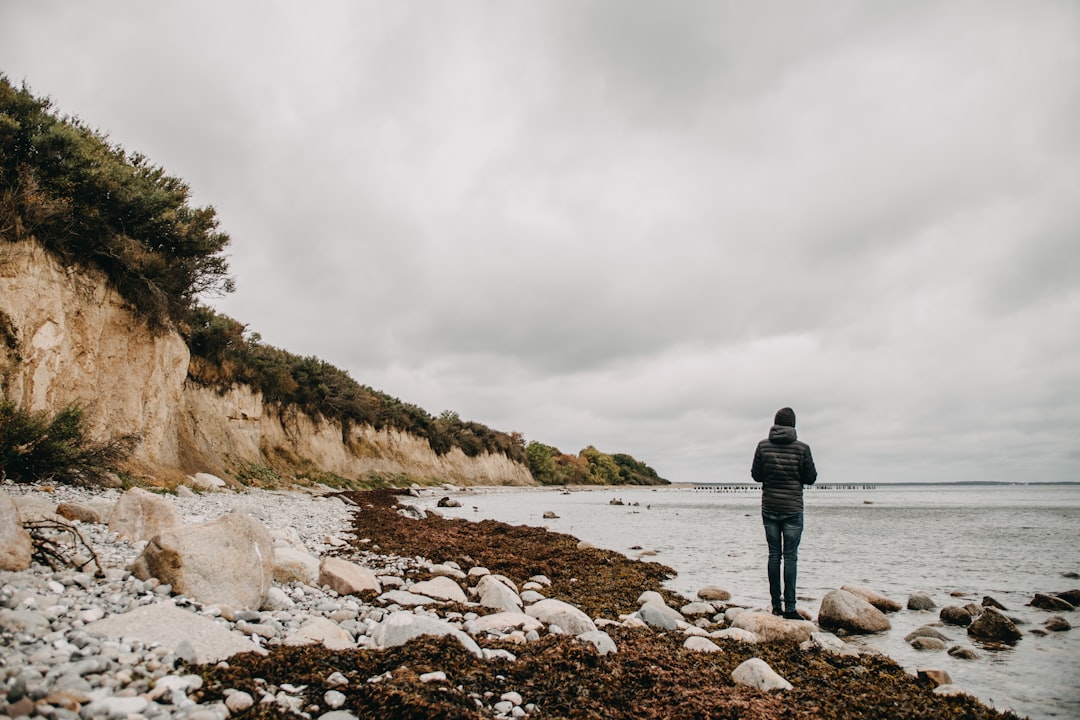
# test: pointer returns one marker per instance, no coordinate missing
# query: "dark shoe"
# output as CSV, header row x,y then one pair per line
x,y
777,611
792,615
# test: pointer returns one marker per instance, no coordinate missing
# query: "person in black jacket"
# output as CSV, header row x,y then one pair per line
x,y
783,464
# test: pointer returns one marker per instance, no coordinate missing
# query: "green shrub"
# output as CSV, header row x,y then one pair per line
x,y
37,446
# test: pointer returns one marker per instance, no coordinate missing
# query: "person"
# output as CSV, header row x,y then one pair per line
x,y
783,465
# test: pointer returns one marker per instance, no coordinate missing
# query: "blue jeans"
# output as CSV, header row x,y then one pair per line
x,y
783,532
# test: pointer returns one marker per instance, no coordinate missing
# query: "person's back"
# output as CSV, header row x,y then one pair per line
x,y
783,465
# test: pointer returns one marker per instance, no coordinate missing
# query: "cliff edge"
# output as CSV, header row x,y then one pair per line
x,y
67,336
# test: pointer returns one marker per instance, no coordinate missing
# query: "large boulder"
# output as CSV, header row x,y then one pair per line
x,y
440,588
226,561
841,610
79,512
771,628
992,625
401,627
493,593
169,626
140,515
873,597
347,578
15,544
566,616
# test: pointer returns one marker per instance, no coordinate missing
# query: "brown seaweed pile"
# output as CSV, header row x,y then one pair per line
x,y
651,675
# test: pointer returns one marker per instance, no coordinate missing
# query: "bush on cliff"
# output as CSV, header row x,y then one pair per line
x,y
92,204
39,446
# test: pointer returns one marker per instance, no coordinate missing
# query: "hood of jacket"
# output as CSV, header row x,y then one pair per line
x,y
782,435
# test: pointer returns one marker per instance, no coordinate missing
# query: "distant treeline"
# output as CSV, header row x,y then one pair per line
x,y
94,205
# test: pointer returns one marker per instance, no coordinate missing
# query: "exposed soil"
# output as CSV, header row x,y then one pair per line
x,y
651,675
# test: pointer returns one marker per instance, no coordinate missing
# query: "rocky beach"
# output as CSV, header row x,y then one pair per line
x,y
312,603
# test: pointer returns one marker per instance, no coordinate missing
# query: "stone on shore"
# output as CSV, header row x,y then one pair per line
x,y
141,515
711,592
600,640
920,601
992,625
841,610
660,616
294,565
650,596
556,612
873,597
78,512
937,678
170,626
701,644
756,673
403,626
736,634
321,631
771,628
15,544
440,588
495,594
955,615
829,643
347,578
502,622
227,561
206,481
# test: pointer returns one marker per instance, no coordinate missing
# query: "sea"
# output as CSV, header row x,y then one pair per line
x,y
958,542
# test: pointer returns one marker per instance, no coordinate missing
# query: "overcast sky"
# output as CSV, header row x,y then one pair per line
x,y
643,226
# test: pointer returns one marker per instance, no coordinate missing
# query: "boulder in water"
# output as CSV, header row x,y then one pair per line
x,y
920,601
1053,603
955,615
992,625
841,610
873,597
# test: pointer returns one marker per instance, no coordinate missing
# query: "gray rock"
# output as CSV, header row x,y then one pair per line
x,y
873,597
927,643
170,626
141,515
321,631
1057,624
955,615
963,653
495,594
992,625
440,588
600,639
756,673
15,544
841,610
347,578
660,616
294,565
926,631
701,644
565,615
920,601
771,628
227,561
400,627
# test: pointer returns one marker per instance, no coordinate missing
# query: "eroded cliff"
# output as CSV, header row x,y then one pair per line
x,y
65,336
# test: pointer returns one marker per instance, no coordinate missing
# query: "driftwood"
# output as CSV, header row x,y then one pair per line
x,y
51,547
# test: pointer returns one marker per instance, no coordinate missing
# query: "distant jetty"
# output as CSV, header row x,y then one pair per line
x,y
742,487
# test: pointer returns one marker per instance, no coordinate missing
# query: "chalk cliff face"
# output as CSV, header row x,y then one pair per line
x,y
65,336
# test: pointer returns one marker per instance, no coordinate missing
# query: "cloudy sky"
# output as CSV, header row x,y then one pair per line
x,y
642,226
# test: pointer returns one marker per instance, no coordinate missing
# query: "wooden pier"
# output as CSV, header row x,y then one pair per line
x,y
743,487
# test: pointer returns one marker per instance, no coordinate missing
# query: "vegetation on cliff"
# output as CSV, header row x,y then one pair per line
x,y
94,205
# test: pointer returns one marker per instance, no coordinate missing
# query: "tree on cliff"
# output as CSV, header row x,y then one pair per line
x,y
92,204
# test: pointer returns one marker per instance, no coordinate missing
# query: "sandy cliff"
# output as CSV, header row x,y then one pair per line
x,y
66,336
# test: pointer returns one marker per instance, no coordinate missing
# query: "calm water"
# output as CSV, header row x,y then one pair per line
x,y
1005,541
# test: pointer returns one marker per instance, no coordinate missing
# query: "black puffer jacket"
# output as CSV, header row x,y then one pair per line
x,y
783,464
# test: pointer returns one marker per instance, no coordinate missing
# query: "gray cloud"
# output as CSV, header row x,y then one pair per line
x,y
638,226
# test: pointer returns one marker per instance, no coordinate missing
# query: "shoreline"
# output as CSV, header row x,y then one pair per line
x,y
553,674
